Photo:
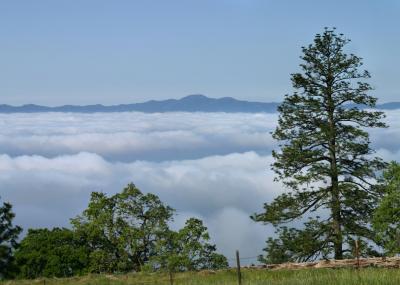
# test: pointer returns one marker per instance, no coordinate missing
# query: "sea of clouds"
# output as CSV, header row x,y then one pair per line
x,y
214,166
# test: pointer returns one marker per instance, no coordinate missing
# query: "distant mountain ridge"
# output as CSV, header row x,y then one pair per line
x,y
191,103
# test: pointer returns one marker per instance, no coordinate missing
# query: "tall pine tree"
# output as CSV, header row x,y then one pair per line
x,y
325,159
8,240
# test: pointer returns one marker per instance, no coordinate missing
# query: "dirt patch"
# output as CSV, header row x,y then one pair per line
x,y
379,262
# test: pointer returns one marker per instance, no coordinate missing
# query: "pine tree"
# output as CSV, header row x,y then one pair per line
x,y
325,159
8,239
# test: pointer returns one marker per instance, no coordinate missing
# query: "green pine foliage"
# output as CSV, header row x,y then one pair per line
x,y
325,159
8,240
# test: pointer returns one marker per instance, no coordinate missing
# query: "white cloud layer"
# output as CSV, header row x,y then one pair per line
x,y
132,136
213,166
223,190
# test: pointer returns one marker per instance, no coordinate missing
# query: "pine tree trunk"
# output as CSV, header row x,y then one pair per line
x,y
335,206
336,220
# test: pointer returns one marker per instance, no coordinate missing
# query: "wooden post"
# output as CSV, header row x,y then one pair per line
x,y
171,278
357,253
239,275
398,238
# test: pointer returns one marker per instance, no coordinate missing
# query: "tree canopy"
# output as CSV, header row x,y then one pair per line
x,y
122,229
125,232
386,219
8,239
51,253
325,159
188,249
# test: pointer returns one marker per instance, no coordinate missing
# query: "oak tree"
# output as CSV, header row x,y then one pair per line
x,y
386,220
188,249
51,253
122,230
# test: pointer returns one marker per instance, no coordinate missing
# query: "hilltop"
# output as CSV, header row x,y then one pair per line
x,y
191,103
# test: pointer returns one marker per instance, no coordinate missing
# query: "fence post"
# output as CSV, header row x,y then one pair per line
x,y
239,275
357,253
171,278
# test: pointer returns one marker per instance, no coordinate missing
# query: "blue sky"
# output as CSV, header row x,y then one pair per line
x,y
83,52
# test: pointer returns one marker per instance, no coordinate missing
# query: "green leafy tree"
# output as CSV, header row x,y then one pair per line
x,y
100,227
8,240
122,230
51,253
188,250
325,159
386,219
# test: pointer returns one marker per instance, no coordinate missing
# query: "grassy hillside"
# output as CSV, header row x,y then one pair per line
x,y
250,277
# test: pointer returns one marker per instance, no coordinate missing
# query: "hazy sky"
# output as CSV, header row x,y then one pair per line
x,y
93,51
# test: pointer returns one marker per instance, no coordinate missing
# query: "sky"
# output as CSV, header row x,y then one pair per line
x,y
112,52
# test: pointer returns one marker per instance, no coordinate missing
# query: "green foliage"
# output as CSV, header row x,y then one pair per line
x,y
386,220
122,230
325,159
8,240
51,253
122,233
129,232
188,250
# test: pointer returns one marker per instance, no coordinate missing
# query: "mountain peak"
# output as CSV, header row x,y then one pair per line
x,y
195,97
